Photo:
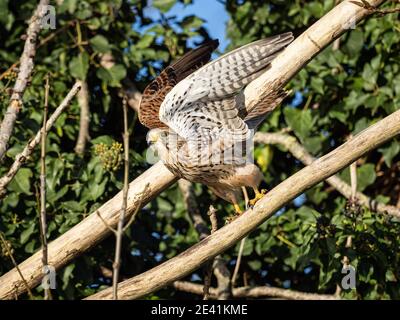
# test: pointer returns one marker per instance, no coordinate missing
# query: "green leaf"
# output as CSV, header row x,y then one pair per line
x,y
67,275
21,182
318,85
365,176
25,235
163,5
144,42
354,43
300,121
79,66
100,44
255,265
247,248
192,22
390,152
113,75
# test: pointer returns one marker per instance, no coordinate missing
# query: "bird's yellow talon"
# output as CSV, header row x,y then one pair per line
x,y
258,196
237,209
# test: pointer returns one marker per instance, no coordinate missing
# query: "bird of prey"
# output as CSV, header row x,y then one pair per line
x,y
199,123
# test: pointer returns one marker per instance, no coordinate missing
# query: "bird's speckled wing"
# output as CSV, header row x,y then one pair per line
x,y
203,105
156,91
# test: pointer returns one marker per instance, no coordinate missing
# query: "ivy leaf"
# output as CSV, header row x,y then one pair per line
x,y
113,75
79,66
365,176
192,22
300,121
25,235
163,5
390,152
100,44
144,42
21,182
354,43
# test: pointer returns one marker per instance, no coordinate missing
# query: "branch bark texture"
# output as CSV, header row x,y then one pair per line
x,y
25,70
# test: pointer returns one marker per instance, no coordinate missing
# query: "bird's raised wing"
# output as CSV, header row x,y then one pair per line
x,y
203,105
156,91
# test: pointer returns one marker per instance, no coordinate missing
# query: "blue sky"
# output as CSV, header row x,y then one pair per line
x,y
212,11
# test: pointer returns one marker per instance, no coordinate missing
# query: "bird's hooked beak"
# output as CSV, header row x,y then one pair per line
x,y
153,136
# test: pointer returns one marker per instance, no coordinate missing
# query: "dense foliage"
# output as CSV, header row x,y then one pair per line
x,y
340,92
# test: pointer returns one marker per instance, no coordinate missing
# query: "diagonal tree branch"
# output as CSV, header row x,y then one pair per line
x,y
24,155
255,292
191,259
25,70
90,231
299,152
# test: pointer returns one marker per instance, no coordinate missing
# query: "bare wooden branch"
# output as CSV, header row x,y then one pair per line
x,y
25,70
23,156
298,151
84,120
89,232
254,292
188,261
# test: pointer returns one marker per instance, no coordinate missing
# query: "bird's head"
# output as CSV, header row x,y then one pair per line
x,y
156,136
165,142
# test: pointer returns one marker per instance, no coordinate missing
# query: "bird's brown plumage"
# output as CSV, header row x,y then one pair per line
x,y
156,91
200,124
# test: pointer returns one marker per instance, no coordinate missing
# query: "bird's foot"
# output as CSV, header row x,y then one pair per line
x,y
238,212
257,197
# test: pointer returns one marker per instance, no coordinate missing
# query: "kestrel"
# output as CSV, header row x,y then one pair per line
x,y
199,123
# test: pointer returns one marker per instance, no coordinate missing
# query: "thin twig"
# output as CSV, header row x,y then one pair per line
x,y
121,221
105,223
353,181
372,9
209,266
138,206
336,43
83,135
9,253
29,148
238,261
42,216
25,70
242,243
